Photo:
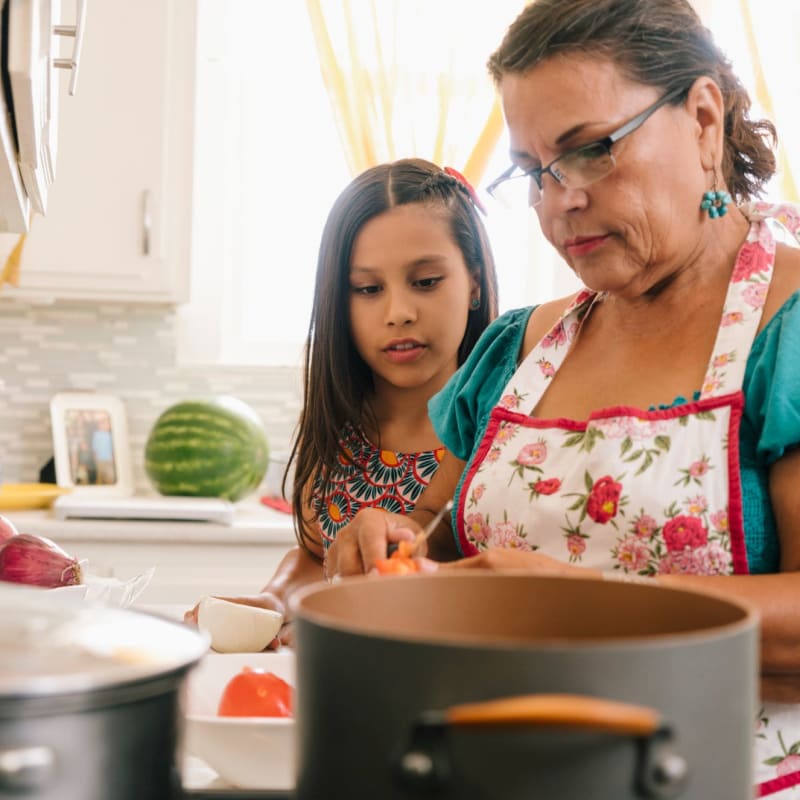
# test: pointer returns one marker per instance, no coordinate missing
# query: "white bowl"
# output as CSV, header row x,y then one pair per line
x,y
246,752
235,627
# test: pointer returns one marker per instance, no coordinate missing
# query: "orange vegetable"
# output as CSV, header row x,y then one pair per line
x,y
400,562
256,693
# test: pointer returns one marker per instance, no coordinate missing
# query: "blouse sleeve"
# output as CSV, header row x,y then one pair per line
x,y
460,411
772,384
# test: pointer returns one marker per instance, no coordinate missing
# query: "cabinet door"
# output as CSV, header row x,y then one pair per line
x,y
118,218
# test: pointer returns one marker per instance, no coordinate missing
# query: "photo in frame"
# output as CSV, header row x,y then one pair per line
x,y
90,444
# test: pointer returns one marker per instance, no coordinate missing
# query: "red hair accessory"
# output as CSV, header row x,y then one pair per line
x,y
454,173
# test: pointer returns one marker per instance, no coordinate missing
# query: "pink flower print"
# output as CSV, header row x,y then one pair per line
x,y
752,260
644,526
478,491
556,337
682,532
603,500
632,554
696,505
548,370
505,432
731,318
680,562
576,544
505,534
713,559
723,360
787,765
572,331
630,428
720,520
711,384
493,454
755,294
698,468
477,529
509,401
789,217
532,454
546,486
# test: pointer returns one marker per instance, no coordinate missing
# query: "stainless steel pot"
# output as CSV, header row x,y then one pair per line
x,y
89,700
513,686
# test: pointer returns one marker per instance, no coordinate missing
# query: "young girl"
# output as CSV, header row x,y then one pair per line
x,y
405,286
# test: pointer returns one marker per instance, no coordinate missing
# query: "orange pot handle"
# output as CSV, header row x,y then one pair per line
x,y
559,710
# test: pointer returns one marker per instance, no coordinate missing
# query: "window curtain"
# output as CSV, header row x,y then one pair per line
x,y
408,78
762,39
775,95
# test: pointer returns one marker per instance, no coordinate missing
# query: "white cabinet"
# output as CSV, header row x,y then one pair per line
x,y
118,222
184,571
190,559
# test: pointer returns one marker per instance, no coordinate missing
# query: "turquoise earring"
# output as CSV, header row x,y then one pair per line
x,y
475,303
715,203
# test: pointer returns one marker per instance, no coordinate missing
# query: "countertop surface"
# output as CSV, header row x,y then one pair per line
x,y
253,523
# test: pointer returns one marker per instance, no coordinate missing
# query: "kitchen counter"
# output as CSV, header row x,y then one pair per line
x,y
191,559
253,524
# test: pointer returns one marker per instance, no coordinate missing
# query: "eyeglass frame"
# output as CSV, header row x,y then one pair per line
x,y
607,142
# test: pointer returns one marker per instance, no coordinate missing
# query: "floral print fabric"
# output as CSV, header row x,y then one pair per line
x,y
368,477
636,491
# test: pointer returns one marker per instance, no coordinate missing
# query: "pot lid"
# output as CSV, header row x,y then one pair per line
x,y
49,649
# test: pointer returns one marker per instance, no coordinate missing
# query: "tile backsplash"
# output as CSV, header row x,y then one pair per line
x,y
120,349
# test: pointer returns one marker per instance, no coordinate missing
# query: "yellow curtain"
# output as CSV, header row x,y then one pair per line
x,y
766,98
408,78
762,38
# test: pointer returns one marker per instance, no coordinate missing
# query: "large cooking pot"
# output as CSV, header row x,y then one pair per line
x,y
513,686
89,699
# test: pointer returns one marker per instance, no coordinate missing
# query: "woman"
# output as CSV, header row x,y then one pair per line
x,y
646,428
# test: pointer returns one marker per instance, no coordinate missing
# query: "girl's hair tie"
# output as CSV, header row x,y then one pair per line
x,y
473,195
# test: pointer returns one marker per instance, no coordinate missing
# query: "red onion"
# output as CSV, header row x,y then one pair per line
x,y
7,529
37,561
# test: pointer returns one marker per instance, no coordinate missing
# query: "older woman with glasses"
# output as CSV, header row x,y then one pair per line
x,y
646,428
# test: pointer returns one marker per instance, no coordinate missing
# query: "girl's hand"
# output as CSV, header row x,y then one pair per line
x,y
365,540
500,558
264,600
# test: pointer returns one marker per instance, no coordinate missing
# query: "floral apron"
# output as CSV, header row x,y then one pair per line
x,y
639,492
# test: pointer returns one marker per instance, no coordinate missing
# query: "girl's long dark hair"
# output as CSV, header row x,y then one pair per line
x,y
336,380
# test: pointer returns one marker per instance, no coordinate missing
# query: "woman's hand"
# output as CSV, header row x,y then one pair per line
x,y
501,559
365,540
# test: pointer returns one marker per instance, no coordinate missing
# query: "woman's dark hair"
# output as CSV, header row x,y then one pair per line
x,y
656,42
336,380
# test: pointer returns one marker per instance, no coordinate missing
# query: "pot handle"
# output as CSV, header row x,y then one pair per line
x,y
424,764
561,710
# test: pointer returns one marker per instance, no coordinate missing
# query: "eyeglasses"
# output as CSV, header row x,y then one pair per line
x,y
578,168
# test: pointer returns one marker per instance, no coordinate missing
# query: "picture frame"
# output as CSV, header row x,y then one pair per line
x,y
91,450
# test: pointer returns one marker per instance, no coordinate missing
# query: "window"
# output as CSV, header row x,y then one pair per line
x,y
269,164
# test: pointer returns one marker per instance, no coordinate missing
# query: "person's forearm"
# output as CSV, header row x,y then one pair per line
x,y
296,570
777,600
441,543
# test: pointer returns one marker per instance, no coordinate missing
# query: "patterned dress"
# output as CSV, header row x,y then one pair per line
x,y
373,478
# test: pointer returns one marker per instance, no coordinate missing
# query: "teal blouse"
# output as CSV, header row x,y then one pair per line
x,y
770,423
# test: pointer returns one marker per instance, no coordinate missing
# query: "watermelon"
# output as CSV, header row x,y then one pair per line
x,y
207,448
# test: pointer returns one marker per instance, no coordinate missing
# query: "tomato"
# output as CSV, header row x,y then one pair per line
x,y
396,565
256,693
400,562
